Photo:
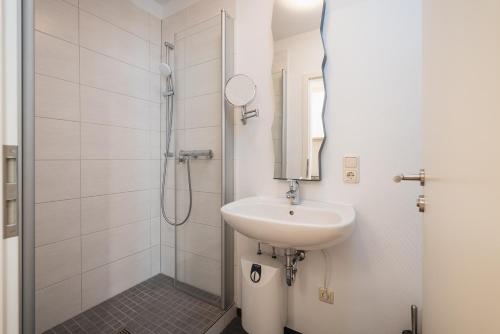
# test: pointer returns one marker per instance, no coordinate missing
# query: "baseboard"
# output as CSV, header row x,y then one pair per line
x,y
286,330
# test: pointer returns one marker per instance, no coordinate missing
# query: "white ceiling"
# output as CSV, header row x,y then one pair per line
x,y
151,6
292,17
163,8
173,6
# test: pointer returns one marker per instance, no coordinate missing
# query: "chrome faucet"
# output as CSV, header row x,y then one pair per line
x,y
294,193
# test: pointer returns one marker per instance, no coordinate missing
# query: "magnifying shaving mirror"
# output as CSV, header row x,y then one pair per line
x,y
240,91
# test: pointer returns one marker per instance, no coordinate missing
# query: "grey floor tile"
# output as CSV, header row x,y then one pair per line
x,y
151,307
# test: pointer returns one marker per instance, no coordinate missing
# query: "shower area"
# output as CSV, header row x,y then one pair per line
x,y
133,160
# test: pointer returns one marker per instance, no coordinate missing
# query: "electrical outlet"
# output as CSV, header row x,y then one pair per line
x,y
325,295
351,169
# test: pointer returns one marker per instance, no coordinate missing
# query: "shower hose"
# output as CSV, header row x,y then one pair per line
x,y
170,108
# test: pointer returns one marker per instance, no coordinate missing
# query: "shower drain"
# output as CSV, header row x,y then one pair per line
x,y
124,331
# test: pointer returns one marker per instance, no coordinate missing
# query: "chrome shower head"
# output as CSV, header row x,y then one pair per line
x,y
165,70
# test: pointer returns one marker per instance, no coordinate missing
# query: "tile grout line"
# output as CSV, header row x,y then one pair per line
x,y
96,88
122,192
97,231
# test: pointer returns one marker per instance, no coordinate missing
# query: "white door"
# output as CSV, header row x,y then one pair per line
x,y
461,122
10,94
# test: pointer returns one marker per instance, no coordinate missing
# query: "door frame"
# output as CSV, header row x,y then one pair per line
x,y
27,231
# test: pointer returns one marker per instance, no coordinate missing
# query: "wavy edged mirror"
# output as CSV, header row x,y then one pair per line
x,y
298,129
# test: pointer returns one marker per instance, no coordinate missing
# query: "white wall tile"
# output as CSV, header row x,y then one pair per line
x,y
56,98
103,107
56,221
109,280
56,139
114,97
168,260
110,142
57,18
106,38
155,260
104,247
180,116
206,208
155,87
104,212
180,53
101,177
203,240
173,24
56,57
204,139
170,200
57,262
202,111
58,303
155,231
154,30
203,46
57,180
155,110
107,73
200,272
206,175
167,234
155,145
203,78
192,28
155,203
180,84
121,13
154,58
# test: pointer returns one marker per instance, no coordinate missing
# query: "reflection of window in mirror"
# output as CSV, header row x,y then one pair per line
x,y
315,97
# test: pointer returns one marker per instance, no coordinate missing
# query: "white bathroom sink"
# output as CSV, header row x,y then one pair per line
x,y
307,226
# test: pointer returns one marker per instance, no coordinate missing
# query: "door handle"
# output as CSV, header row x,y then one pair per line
x,y
416,177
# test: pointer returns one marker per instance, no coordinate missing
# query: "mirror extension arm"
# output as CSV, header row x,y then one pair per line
x,y
246,114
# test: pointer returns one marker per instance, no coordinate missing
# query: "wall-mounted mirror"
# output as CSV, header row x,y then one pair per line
x,y
299,92
240,92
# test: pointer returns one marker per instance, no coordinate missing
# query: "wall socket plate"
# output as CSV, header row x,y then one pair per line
x,y
351,169
326,295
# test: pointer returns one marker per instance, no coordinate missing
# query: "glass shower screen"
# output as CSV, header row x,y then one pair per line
x,y
196,254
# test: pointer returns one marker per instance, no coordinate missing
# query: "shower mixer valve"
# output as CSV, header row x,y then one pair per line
x,y
195,154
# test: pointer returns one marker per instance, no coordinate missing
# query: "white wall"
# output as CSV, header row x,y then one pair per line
x,y
373,110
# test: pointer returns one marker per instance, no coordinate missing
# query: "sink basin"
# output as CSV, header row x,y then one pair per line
x,y
308,226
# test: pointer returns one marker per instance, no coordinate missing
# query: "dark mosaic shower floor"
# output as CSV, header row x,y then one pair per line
x,y
151,307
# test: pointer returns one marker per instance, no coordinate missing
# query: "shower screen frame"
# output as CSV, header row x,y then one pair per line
x,y
226,299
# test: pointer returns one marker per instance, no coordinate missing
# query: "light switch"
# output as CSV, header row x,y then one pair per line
x,y
351,169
